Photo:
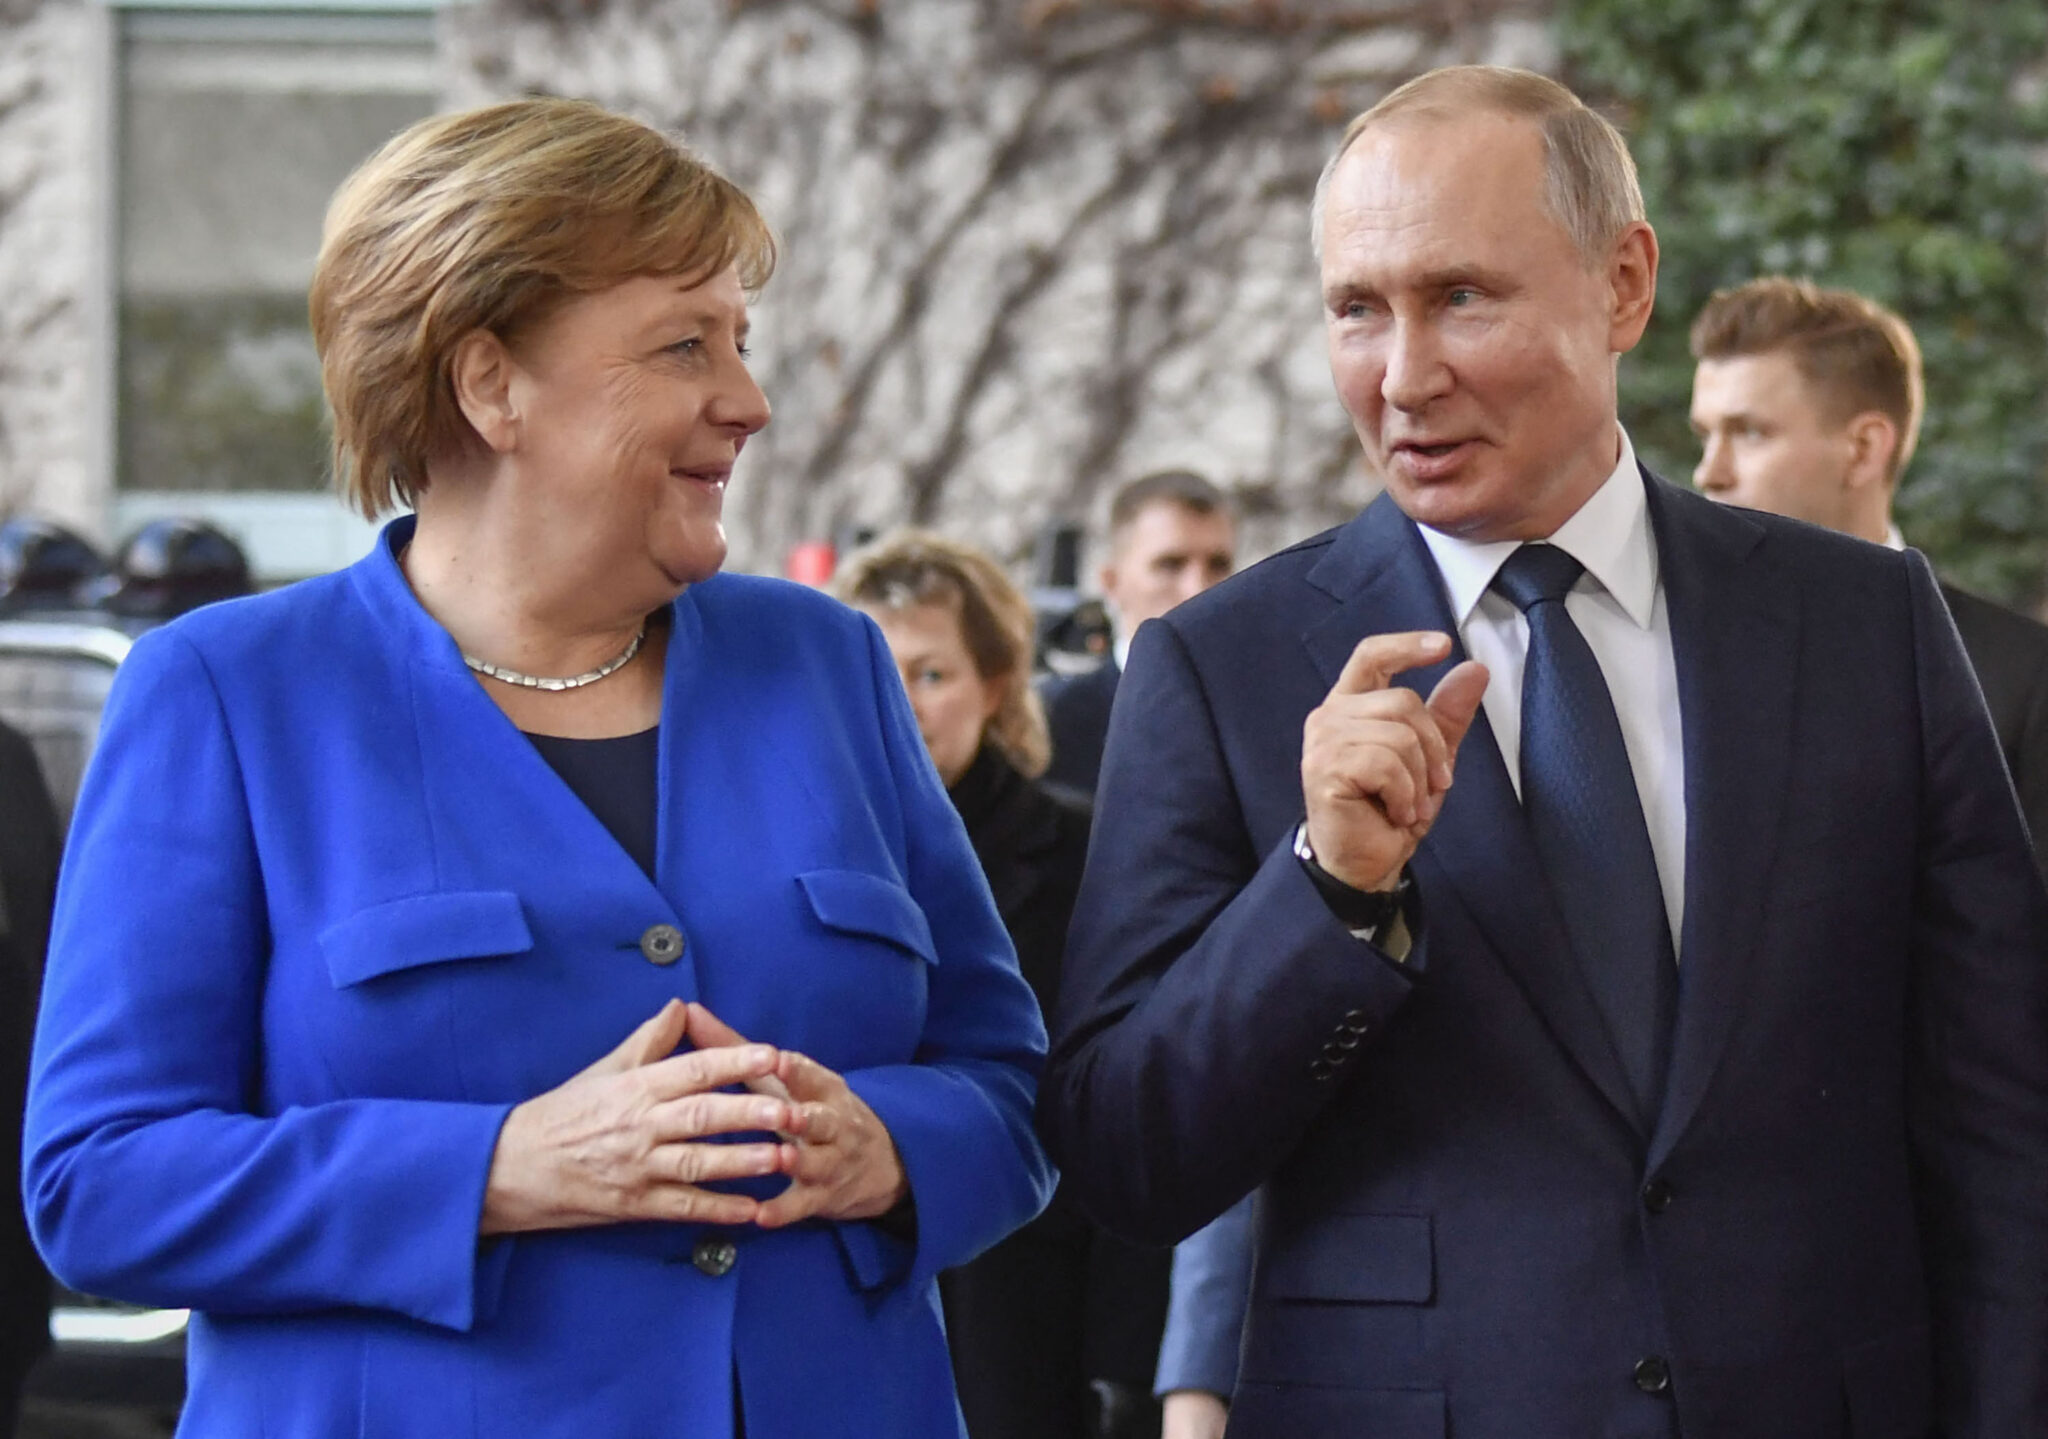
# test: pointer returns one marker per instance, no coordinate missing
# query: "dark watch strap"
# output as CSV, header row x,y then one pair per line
x,y
1355,908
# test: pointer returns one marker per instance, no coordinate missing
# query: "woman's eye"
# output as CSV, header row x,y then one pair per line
x,y
746,352
687,347
931,677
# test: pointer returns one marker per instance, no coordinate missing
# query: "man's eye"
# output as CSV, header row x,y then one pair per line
x,y
1463,297
687,347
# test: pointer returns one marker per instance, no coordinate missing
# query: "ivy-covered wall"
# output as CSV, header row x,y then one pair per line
x,y
1895,147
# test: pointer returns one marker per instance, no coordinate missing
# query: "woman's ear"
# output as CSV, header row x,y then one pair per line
x,y
998,690
481,374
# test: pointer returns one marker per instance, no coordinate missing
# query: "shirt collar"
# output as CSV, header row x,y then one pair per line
x,y
1609,535
1893,540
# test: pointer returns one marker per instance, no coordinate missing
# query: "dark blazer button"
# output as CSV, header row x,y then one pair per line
x,y
1355,1020
1320,1068
662,944
716,1257
1653,1375
1345,1041
1334,1052
1657,1195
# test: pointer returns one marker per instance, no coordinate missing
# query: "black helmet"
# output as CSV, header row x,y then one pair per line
x,y
170,566
43,564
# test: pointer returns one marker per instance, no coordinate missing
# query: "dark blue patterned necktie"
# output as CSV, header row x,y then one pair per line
x,y
1581,800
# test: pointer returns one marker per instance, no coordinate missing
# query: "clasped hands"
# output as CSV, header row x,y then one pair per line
x,y
630,1138
1376,759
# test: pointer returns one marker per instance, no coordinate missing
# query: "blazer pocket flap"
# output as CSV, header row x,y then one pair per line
x,y
1355,1258
855,903
424,929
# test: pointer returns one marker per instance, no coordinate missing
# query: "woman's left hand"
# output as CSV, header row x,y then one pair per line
x,y
842,1164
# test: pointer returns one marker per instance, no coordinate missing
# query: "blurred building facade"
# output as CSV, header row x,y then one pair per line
x,y
1030,247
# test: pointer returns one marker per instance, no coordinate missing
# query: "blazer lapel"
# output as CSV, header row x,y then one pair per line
x,y
1734,632
1380,573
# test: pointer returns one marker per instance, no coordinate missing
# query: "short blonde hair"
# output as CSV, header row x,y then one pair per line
x,y
486,220
1857,355
1589,177
917,567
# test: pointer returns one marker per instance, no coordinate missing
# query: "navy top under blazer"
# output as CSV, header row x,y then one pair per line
x,y
327,915
1836,1226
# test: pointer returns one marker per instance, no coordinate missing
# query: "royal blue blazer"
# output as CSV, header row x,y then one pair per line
x,y
326,916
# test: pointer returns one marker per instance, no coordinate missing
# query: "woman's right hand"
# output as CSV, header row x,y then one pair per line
x,y
623,1139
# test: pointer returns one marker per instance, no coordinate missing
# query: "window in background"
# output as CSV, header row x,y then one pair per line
x,y
234,128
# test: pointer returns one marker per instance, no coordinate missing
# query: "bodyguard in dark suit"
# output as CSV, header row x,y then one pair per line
x,y
29,841
1808,403
1171,536
1642,1033
2009,653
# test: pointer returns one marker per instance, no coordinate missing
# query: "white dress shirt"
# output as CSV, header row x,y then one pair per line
x,y
1618,605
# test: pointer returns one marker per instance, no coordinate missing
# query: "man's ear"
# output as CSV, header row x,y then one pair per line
x,y
1873,440
481,373
1105,581
1632,277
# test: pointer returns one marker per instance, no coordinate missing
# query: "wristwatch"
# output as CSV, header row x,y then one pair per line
x,y
1362,911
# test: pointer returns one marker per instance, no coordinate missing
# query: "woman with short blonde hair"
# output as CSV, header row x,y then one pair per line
x,y
531,983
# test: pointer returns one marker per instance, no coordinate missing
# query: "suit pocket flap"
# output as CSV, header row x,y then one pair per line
x,y
856,903
1359,1258
424,929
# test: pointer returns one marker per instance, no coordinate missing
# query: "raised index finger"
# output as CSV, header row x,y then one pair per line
x,y
1378,658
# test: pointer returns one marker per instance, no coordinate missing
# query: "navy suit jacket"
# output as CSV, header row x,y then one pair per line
x,y
326,916
1077,713
1835,1226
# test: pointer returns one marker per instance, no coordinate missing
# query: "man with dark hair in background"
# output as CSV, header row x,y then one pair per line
x,y
29,841
1807,403
1171,536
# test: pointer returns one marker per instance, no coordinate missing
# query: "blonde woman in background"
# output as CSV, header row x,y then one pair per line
x,y
1031,1320
413,916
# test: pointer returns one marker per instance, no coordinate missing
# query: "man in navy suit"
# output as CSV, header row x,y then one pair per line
x,y
1596,919
1171,536
1807,403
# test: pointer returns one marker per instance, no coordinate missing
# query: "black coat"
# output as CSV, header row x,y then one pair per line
x,y
29,842
2009,652
1059,1303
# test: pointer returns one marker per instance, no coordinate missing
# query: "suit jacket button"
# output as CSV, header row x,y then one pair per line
x,y
1334,1052
1356,1020
1657,1195
1321,1068
1653,1375
662,944
715,1257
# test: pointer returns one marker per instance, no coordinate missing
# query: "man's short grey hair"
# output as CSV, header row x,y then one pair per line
x,y
1590,183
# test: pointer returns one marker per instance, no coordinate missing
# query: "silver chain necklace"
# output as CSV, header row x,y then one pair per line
x,y
572,682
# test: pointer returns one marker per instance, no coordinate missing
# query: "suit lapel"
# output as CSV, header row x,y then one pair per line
x,y
1380,573
1734,632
